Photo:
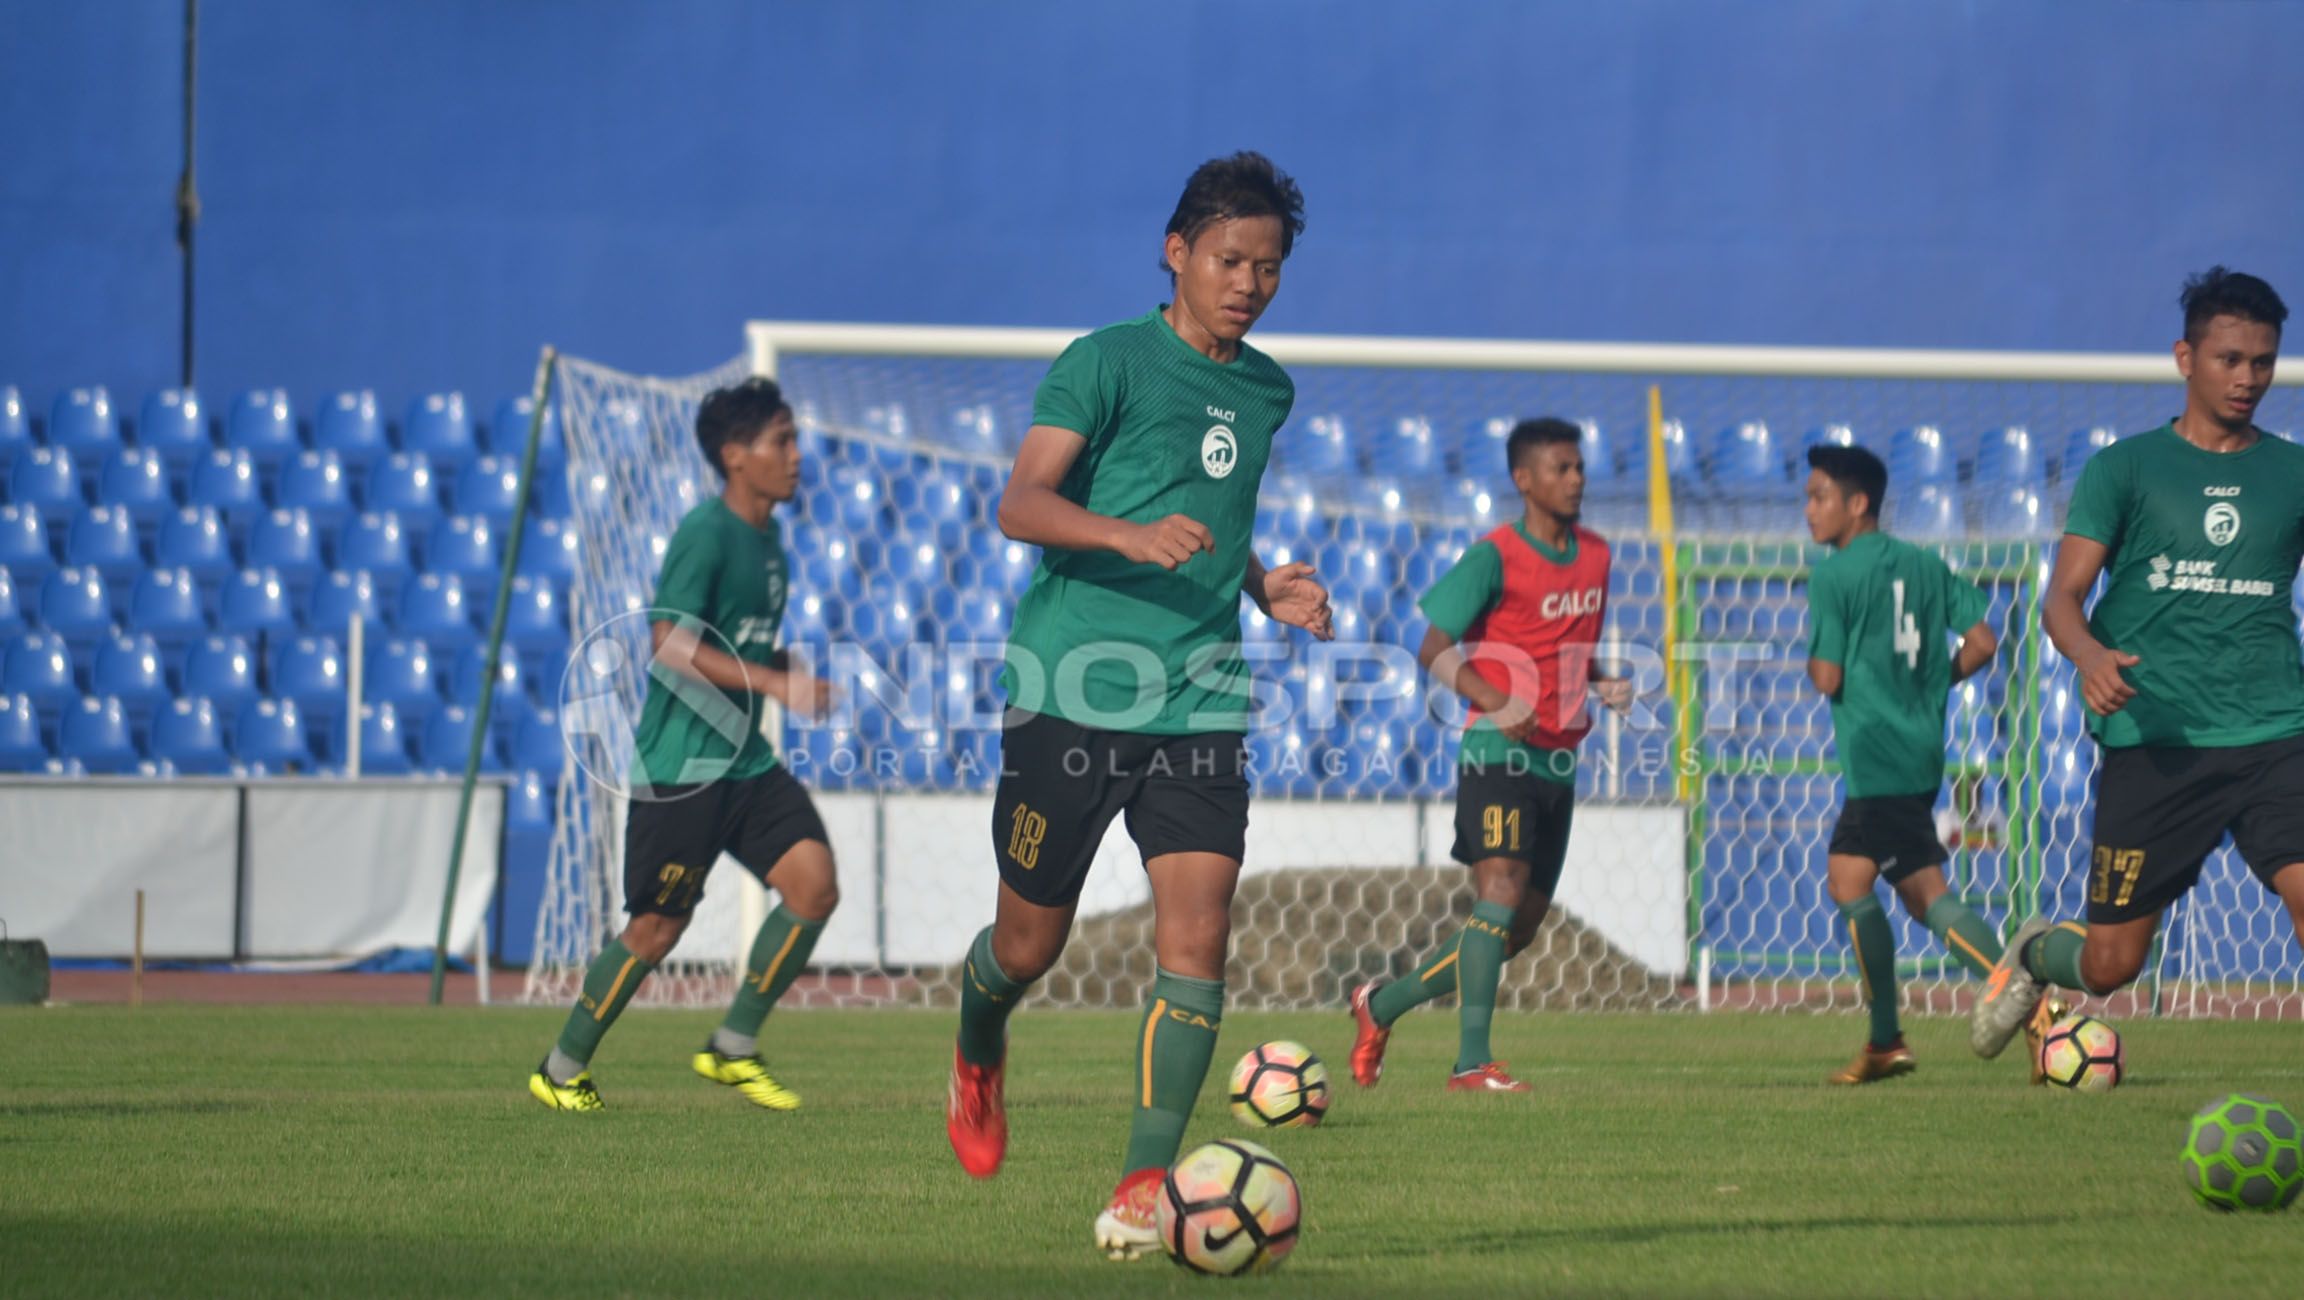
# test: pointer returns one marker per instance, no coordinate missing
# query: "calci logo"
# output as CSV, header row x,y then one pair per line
x,y
2222,523
1219,451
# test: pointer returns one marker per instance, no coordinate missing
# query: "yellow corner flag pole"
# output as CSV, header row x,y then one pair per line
x,y
1660,526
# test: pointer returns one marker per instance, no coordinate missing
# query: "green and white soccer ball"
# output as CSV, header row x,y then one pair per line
x,y
1229,1207
2245,1153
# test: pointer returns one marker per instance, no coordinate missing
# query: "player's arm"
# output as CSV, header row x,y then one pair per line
x,y
1444,659
1827,633
678,647
1826,676
1290,595
1032,510
1977,646
2079,561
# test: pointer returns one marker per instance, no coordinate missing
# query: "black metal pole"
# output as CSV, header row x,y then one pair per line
x,y
187,189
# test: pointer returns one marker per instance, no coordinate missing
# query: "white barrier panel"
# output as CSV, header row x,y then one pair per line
x,y
344,869
73,856
333,869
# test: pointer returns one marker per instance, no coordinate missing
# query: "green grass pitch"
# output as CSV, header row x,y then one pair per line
x,y
244,1151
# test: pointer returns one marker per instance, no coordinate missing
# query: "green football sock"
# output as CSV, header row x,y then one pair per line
x,y
1963,934
779,953
1479,968
1397,998
987,996
1172,1055
1875,946
609,984
2055,956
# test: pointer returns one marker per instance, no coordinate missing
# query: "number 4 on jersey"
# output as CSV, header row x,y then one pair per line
x,y
1906,631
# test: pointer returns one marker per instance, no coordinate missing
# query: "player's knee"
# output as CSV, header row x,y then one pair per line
x,y
815,900
651,936
2105,969
1026,957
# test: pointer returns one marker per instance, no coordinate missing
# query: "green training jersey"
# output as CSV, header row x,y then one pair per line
x,y
1882,609
727,579
2204,547
1102,640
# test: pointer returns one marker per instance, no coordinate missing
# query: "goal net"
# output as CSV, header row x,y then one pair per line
x,y
1695,872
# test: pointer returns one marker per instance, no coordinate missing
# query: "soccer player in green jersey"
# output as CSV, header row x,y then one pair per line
x,y
1126,688
1514,625
705,781
2189,662
1879,613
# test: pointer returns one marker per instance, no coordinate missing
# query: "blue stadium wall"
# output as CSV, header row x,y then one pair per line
x,y
411,197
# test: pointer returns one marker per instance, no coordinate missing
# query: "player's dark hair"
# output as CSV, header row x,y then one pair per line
x,y
2220,292
1243,185
1528,435
736,413
1853,469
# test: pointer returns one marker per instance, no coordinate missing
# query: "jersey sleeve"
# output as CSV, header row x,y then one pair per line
x,y
1965,603
1827,620
1466,591
2097,499
684,586
1077,392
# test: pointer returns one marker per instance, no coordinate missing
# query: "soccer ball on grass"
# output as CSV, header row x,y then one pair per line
x,y
1229,1207
2244,1153
1279,1085
2082,1054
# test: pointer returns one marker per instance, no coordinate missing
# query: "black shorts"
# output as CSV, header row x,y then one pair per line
x,y
2162,809
1505,810
1061,784
1896,831
672,840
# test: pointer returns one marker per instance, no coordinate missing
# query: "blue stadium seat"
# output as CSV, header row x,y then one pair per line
x,y
1744,456
2011,457
24,544
376,545
129,669
1480,447
1319,445
401,673
1407,450
135,479
262,423
39,666
857,493
489,488
46,477
1378,495
21,749
12,620
433,609
508,434
255,604
349,426
76,604
1837,435
402,485
535,622
1920,454
2012,510
196,540
550,548
1926,512
170,426
977,429
509,705
528,804
341,594
285,542
464,548
2080,446
269,738
168,604
1477,503
188,735
448,743
221,670
15,427
225,481
310,671
316,483
438,428
96,734
103,538
81,422
537,745
384,737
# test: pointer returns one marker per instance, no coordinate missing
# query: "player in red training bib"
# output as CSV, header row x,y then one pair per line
x,y
1514,627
